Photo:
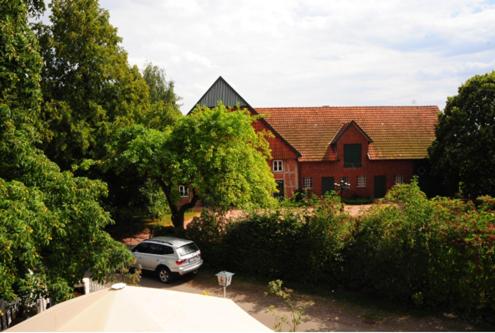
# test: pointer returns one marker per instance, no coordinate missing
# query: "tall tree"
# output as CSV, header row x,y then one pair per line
x,y
51,223
463,153
214,152
88,86
164,109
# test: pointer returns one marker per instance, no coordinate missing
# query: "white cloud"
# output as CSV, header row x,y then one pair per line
x,y
310,52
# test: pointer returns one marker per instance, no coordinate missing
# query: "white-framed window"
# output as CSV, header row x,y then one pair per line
x,y
278,165
361,182
183,191
307,183
398,179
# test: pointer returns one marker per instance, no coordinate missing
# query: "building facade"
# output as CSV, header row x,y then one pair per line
x,y
359,151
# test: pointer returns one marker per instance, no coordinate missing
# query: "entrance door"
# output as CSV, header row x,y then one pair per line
x,y
327,184
380,186
280,188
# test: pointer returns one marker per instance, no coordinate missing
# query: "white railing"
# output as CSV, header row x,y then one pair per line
x,y
10,310
91,286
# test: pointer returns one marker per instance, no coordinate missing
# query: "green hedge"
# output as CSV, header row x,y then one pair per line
x,y
437,253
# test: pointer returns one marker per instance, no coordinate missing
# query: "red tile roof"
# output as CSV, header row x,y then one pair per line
x,y
397,132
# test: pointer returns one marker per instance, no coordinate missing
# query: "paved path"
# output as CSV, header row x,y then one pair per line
x,y
329,313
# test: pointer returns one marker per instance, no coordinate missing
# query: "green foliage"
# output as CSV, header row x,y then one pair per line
x,y
20,65
291,244
463,154
437,253
215,152
51,223
164,109
90,91
296,309
224,159
88,86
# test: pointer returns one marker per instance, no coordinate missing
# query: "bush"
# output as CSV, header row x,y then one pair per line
x,y
437,253
292,244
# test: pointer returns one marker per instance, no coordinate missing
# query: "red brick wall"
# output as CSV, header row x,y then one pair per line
x,y
289,175
280,150
369,168
387,168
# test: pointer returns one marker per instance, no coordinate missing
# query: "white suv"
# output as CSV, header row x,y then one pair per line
x,y
167,255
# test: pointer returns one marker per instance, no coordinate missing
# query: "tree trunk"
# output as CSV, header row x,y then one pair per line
x,y
177,212
178,222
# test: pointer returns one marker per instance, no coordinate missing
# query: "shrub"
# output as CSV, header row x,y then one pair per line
x,y
438,253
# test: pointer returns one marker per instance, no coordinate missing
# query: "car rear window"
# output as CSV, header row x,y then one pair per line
x,y
187,249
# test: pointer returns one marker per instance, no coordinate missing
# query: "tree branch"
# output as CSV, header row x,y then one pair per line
x,y
190,204
168,195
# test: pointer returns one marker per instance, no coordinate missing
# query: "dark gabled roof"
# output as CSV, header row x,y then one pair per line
x,y
398,132
344,128
222,91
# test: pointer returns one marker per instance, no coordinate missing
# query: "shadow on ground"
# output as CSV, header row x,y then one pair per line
x,y
330,310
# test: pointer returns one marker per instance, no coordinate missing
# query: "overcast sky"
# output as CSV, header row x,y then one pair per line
x,y
311,53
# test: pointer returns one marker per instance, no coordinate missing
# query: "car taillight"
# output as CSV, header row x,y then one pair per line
x,y
180,262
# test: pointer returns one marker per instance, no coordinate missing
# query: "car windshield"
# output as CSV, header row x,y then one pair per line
x,y
187,249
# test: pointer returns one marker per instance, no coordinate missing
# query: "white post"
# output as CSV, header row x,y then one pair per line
x,y
86,285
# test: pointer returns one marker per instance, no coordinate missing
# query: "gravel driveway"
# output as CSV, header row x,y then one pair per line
x,y
330,312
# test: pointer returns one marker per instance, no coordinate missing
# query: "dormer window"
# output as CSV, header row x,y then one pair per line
x,y
278,166
352,155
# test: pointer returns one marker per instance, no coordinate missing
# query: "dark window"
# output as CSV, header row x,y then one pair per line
x,y
327,184
352,156
183,191
278,166
280,188
160,249
143,248
187,249
380,186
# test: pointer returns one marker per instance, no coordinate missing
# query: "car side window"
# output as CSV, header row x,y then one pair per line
x,y
167,250
160,249
143,248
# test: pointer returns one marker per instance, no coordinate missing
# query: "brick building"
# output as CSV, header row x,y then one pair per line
x,y
365,149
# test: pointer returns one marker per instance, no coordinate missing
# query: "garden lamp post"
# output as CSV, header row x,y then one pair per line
x,y
342,185
224,280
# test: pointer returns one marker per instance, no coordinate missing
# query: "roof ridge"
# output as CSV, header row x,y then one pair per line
x,y
345,106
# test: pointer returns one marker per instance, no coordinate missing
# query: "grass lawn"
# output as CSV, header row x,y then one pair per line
x,y
166,221
139,228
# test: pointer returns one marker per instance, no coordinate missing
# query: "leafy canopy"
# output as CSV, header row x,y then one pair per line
x,y
88,86
463,154
164,109
215,152
51,223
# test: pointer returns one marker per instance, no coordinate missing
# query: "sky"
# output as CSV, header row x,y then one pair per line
x,y
312,52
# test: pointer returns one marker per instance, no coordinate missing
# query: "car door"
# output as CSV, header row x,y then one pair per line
x,y
143,254
162,255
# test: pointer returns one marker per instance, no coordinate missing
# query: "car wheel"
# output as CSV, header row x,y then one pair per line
x,y
163,274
